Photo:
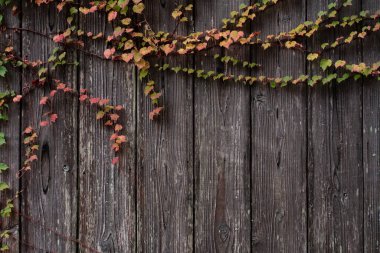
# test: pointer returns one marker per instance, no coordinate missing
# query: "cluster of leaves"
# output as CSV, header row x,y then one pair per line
x,y
5,98
133,41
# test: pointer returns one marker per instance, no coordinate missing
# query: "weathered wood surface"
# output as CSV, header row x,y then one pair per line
x,y
165,153
335,170
225,168
278,143
371,144
221,149
49,190
9,153
107,216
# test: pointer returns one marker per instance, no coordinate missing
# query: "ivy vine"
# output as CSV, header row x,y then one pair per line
x,y
133,41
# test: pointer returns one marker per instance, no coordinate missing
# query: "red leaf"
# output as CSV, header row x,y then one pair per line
x,y
53,117
114,117
67,89
52,93
28,130
94,100
58,38
33,157
104,102
43,100
114,136
115,160
112,15
83,90
44,123
109,52
83,98
118,107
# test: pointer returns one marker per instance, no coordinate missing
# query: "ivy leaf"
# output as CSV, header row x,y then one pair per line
x,y
329,78
312,56
343,78
176,14
3,71
3,167
339,63
2,139
155,112
3,186
325,63
138,8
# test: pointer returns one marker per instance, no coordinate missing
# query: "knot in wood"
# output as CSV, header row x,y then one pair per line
x,y
224,232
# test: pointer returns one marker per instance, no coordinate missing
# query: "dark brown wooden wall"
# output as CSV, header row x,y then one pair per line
x,y
226,167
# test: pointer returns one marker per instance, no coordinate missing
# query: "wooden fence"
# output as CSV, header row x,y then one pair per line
x,y
225,168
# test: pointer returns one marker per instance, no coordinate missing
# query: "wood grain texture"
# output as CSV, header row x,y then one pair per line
x,y
335,171
222,146
165,152
279,142
107,192
371,142
49,190
10,152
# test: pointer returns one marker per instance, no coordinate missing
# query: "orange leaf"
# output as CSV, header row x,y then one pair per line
x,y
168,48
114,117
127,57
118,127
155,112
103,102
17,98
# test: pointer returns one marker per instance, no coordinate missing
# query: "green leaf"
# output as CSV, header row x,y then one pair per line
x,y
3,71
3,167
3,186
4,247
325,63
242,6
2,139
143,73
329,78
343,78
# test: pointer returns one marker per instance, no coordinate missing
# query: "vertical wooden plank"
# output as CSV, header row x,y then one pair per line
x,y
222,144
165,151
10,153
335,170
107,192
279,142
50,188
371,141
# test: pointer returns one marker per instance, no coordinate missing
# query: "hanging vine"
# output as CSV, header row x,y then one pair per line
x,y
133,41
